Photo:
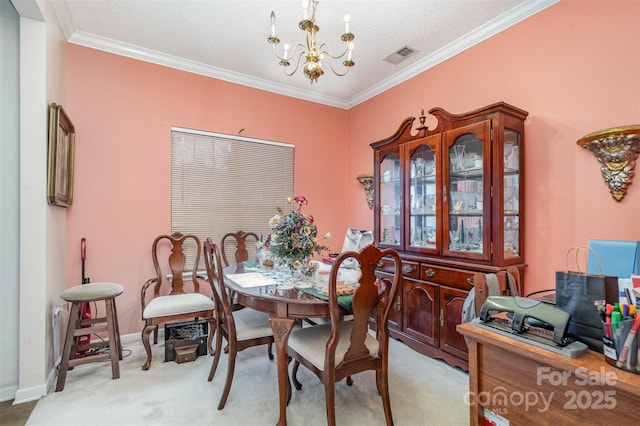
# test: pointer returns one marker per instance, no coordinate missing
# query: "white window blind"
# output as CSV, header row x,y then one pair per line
x,y
222,183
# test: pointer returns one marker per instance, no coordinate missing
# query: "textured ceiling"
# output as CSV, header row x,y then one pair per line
x,y
228,39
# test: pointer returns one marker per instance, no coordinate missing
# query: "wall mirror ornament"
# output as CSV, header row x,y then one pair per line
x,y
60,157
367,182
616,149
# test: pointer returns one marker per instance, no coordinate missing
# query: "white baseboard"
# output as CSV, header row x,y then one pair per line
x,y
34,393
30,394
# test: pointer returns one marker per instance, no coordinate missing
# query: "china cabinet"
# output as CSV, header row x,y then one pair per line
x,y
450,201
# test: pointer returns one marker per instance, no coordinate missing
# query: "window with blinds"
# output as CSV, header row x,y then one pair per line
x,y
222,183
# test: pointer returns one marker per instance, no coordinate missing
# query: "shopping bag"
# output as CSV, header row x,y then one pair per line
x,y
576,292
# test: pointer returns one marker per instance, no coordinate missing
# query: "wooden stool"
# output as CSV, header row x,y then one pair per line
x,y
79,295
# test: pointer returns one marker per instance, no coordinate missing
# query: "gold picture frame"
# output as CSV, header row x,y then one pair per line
x,y
60,157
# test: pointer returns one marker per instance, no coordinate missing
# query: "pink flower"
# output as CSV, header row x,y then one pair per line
x,y
300,200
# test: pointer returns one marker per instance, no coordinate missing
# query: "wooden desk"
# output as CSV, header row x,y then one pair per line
x,y
284,307
530,385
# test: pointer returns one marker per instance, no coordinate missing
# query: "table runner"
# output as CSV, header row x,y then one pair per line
x,y
344,301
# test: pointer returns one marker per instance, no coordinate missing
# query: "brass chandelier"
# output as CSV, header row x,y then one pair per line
x,y
314,56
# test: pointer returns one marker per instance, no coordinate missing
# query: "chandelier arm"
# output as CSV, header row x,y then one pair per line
x,y
297,64
293,52
324,48
334,70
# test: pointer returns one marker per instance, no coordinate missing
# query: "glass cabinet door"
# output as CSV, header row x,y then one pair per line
x,y
453,195
390,200
512,194
467,225
423,200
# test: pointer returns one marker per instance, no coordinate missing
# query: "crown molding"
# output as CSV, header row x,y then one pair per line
x,y
491,28
135,52
488,30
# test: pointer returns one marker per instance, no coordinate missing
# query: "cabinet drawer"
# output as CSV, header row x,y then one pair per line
x,y
409,269
459,277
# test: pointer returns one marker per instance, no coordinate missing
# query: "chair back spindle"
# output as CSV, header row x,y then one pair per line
x,y
177,261
241,252
221,297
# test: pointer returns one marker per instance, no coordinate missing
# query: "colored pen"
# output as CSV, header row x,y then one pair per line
x,y
628,342
616,317
608,310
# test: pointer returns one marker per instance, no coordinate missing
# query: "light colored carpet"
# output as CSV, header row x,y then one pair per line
x,y
423,391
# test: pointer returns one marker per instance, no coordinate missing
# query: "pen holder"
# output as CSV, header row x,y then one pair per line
x,y
621,346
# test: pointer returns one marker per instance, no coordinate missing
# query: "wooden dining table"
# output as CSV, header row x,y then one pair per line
x,y
280,294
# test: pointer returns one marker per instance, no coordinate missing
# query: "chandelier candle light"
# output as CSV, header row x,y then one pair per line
x,y
314,56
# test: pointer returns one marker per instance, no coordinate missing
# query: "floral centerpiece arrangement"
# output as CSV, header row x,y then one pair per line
x,y
293,238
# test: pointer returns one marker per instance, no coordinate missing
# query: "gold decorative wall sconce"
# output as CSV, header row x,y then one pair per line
x,y
367,182
616,149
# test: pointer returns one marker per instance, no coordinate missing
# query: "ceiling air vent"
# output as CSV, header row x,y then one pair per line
x,y
400,55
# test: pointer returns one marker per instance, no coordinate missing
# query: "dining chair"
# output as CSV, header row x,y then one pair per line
x,y
242,329
174,303
503,283
342,348
241,252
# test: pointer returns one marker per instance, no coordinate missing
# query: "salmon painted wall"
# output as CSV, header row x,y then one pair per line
x,y
574,67
550,65
123,111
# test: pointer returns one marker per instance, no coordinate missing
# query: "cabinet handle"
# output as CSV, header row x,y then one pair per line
x,y
430,272
470,281
398,304
407,269
444,193
441,317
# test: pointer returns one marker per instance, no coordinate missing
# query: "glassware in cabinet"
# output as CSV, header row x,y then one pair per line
x,y
511,193
390,200
464,189
424,202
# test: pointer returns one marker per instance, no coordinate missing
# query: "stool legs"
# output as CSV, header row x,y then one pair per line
x,y
75,329
69,343
114,342
117,327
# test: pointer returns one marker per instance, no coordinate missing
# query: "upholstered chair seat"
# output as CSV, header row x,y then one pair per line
x,y
177,304
310,343
251,324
